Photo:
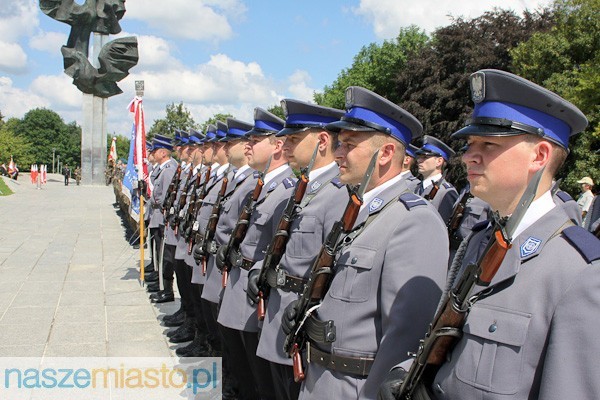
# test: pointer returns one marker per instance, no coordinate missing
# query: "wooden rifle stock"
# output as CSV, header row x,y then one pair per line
x,y
172,192
277,246
241,226
194,215
213,220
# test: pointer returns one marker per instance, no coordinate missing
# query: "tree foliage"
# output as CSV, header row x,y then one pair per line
x,y
566,59
45,130
213,120
16,146
375,67
177,117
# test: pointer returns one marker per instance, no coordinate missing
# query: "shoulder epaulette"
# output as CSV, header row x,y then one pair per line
x,y
584,242
411,200
564,196
447,185
480,226
336,182
288,183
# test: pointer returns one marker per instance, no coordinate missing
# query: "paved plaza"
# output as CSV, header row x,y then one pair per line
x,y
70,278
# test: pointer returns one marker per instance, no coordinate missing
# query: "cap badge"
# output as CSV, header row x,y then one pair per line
x,y
375,204
478,87
349,100
530,246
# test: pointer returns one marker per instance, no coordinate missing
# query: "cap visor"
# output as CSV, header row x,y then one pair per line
x,y
486,130
347,126
291,131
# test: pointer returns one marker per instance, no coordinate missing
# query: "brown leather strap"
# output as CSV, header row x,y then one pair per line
x,y
246,264
358,366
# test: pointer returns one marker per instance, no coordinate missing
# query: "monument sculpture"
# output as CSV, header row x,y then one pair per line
x,y
94,75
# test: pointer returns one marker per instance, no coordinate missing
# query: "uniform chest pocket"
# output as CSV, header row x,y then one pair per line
x,y
255,232
491,351
353,276
304,240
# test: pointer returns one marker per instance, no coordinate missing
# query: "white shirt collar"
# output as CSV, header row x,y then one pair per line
x,y
270,175
429,181
538,208
371,194
316,172
222,169
164,163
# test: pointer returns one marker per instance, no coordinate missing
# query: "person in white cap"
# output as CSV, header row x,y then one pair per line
x,y
586,197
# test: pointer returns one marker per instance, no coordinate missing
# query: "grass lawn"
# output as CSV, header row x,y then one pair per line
x,y
4,190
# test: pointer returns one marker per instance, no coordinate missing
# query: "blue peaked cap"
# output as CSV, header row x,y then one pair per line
x,y
265,123
411,150
301,116
434,147
237,129
367,111
508,105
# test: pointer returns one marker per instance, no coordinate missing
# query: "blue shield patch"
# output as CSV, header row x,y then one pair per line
x,y
530,246
315,186
375,204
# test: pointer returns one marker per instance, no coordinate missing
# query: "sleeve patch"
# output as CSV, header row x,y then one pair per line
x,y
447,185
288,183
336,182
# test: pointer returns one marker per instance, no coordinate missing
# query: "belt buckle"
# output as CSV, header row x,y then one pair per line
x,y
212,247
281,277
329,332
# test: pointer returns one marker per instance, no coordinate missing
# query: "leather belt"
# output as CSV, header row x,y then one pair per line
x,y
320,331
246,264
360,366
279,279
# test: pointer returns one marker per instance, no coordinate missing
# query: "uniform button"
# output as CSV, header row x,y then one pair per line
x,y
492,328
354,260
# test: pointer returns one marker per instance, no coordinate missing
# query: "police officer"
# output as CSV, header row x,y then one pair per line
x,y
323,204
409,162
532,334
432,159
238,317
389,270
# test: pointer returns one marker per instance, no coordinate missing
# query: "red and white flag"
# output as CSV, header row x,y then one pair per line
x,y
44,173
112,154
34,173
140,156
11,166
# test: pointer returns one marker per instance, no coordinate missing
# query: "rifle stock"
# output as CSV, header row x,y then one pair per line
x,y
193,216
172,192
278,244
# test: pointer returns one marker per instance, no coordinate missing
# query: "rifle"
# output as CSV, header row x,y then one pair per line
x,y
457,216
322,272
188,216
436,186
279,242
197,206
172,190
213,220
178,211
446,328
241,226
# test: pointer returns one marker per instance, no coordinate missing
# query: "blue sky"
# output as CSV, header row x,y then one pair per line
x,y
214,55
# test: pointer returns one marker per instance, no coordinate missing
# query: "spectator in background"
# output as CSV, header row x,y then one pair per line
x,y
67,174
585,198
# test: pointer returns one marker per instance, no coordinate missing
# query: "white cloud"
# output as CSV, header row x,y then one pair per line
x,y
197,20
18,18
388,16
58,89
15,102
298,87
49,42
13,59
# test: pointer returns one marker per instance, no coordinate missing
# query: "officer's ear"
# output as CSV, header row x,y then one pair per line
x,y
542,154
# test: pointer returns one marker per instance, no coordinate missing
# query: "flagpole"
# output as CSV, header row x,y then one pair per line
x,y
139,92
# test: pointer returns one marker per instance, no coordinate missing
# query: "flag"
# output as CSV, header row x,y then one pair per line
x,y
44,173
137,168
112,154
34,173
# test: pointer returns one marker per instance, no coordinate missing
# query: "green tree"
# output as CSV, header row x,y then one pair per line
x,y
16,146
375,67
213,120
178,117
276,110
565,59
44,130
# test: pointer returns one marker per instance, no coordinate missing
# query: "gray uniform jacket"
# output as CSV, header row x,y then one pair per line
x,y
237,192
152,172
444,199
593,216
384,292
411,181
161,183
307,234
236,312
570,206
535,336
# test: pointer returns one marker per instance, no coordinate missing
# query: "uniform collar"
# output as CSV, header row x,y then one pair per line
x,y
373,193
272,174
314,174
536,210
241,171
429,181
